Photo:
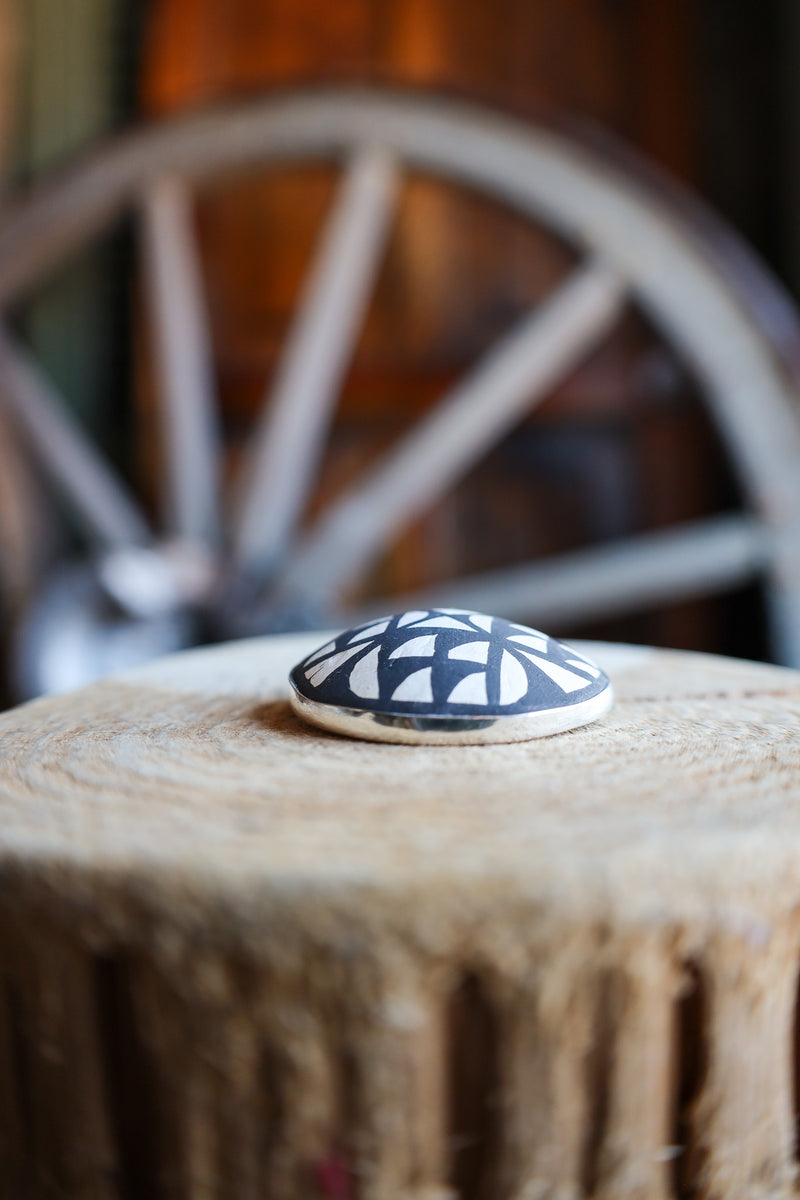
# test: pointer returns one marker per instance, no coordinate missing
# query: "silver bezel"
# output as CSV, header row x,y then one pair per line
x,y
411,730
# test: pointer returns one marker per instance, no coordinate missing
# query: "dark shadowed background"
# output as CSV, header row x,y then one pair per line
x,y
705,90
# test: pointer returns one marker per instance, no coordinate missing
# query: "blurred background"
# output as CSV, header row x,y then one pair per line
x,y
704,90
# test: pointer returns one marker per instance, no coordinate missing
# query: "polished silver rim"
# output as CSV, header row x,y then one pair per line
x,y
412,730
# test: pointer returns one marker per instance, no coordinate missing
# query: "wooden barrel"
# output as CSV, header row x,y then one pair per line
x,y
241,958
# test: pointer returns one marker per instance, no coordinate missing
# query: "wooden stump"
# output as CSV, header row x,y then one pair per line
x,y
242,958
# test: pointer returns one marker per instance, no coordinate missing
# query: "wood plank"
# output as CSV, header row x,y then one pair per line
x,y
548,1040
634,1154
23,519
743,1121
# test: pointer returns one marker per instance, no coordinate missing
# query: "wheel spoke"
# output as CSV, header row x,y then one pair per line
x,y
668,566
516,374
183,362
288,441
101,501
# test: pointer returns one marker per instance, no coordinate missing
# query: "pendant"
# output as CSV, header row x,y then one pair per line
x,y
447,676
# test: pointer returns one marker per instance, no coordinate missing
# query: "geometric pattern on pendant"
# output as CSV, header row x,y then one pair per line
x,y
446,662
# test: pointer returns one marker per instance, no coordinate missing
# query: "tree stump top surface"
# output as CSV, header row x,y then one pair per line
x,y
193,771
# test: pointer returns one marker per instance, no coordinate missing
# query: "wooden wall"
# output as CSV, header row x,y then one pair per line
x,y
623,445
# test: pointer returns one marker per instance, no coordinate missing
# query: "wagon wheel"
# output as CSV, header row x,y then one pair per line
x,y
635,247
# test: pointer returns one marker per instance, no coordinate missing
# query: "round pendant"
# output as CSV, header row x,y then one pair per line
x,y
447,676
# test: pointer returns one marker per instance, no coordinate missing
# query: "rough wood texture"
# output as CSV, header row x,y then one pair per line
x,y
242,958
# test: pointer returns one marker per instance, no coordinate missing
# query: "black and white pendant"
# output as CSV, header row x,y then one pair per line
x,y
447,676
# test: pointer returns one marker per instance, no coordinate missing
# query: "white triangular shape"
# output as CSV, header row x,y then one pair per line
x,y
329,649
408,617
318,674
441,623
584,666
527,639
416,687
421,647
568,681
370,631
582,658
575,653
513,679
364,676
482,622
472,651
470,690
